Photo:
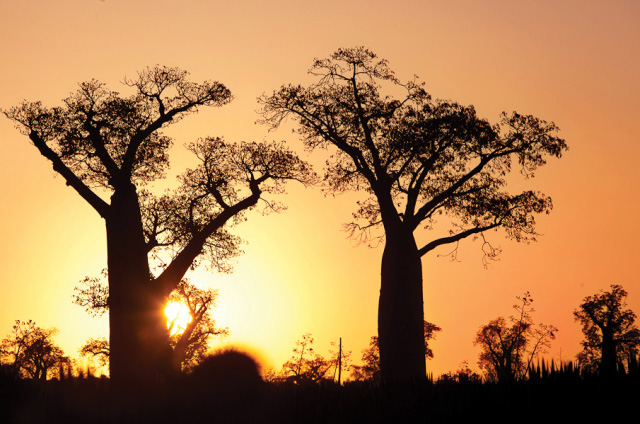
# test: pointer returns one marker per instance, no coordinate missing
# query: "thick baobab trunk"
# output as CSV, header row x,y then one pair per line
x,y
140,351
608,361
401,310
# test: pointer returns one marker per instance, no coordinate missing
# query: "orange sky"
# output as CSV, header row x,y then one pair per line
x,y
572,62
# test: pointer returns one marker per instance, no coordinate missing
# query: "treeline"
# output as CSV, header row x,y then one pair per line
x,y
510,348
226,386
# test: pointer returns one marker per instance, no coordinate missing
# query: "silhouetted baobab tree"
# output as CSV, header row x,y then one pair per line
x,y
417,159
107,145
610,334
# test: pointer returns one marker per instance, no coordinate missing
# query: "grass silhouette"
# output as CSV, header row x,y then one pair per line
x,y
227,388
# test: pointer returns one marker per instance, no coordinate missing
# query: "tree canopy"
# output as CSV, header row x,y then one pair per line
x,y
426,157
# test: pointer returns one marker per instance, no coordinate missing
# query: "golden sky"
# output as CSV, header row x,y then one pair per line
x,y
572,62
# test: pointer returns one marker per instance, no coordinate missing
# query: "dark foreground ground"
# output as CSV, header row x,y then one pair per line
x,y
90,400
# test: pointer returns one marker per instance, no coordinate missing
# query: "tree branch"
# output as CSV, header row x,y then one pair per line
x,y
171,276
454,238
72,180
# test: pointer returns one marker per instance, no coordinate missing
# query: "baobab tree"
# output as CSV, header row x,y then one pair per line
x,y
417,159
611,337
107,147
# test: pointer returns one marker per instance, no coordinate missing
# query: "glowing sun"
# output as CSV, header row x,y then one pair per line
x,y
178,317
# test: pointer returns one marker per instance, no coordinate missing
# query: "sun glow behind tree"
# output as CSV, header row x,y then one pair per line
x,y
178,317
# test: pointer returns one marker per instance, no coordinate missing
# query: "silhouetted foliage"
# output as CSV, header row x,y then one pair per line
x,y
97,350
340,360
30,350
306,366
108,146
462,374
370,370
225,386
227,367
611,338
430,331
94,296
192,343
230,391
508,350
418,159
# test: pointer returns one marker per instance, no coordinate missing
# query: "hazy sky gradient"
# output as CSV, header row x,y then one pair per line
x,y
572,62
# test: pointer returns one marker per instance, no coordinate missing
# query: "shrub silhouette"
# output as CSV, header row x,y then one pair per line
x,y
226,384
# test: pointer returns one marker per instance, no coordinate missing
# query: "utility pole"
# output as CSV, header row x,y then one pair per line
x,y
340,361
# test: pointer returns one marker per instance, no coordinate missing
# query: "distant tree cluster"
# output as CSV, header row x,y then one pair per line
x,y
462,374
611,339
97,351
611,344
30,351
194,341
306,366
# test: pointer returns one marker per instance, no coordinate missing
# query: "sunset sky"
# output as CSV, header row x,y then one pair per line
x,y
576,63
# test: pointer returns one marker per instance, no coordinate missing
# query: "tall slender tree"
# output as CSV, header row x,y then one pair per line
x,y
107,147
417,159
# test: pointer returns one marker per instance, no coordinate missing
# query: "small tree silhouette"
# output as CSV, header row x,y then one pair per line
x,y
31,350
305,365
98,350
508,350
